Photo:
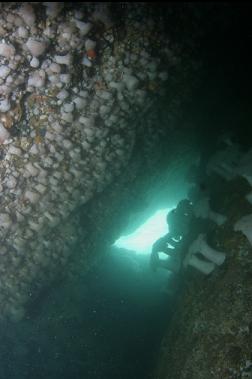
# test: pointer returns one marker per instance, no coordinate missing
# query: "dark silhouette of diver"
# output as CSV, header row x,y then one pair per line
x,y
171,244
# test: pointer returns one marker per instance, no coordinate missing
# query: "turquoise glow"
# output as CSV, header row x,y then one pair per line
x,y
143,238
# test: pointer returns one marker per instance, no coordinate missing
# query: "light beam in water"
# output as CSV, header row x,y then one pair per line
x,y
143,238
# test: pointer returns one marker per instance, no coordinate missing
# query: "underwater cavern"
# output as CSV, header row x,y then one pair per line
x,y
125,190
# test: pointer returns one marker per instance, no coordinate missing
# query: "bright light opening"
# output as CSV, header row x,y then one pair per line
x,y
142,239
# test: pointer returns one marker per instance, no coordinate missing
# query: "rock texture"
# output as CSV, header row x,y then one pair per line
x,y
77,93
210,335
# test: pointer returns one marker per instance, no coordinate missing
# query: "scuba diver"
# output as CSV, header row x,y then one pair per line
x,y
171,244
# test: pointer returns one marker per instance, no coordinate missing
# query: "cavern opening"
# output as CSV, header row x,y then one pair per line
x,y
125,190
142,239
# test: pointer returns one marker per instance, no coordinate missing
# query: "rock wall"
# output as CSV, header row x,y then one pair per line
x,y
79,88
210,332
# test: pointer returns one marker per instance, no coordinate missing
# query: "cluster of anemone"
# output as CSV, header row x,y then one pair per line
x,y
213,257
237,164
68,123
228,164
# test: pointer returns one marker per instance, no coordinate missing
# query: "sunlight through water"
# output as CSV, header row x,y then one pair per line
x,y
143,238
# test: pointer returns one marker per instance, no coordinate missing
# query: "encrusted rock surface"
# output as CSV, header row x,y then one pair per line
x,y
77,90
210,335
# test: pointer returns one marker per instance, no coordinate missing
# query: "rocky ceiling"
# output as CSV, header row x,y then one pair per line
x,y
82,130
